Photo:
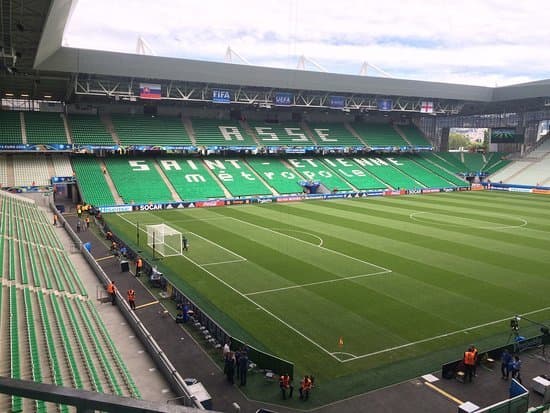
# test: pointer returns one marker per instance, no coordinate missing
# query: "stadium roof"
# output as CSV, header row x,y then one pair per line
x,y
54,65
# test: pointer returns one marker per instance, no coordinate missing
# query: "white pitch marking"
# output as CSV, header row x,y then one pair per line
x,y
302,232
413,216
223,262
309,243
451,333
251,300
319,282
345,354
241,258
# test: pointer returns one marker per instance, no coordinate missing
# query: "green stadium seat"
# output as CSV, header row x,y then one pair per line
x,y
277,175
422,175
135,130
386,170
288,134
137,180
190,179
313,169
474,162
414,136
92,183
354,174
44,128
89,130
379,134
237,177
209,132
10,128
430,162
334,135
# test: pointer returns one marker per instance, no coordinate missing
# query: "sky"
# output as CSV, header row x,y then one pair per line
x,y
476,42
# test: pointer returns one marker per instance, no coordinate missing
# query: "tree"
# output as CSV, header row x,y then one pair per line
x,y
458,140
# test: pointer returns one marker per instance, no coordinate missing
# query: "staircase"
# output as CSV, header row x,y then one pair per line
x,y
189,129
168,184
110,183
67,129
110,128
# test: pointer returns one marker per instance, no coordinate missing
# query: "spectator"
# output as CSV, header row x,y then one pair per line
x,y
230,367
243,367
505,364
516,368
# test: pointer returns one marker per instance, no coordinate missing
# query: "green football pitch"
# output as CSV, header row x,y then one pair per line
x,y
365,292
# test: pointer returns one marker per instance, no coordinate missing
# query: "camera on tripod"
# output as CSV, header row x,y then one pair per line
x,y
514,323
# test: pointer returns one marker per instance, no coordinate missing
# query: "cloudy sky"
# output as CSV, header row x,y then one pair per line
x,y
479,42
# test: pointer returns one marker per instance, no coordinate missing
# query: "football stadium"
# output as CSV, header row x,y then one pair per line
x,y
271,240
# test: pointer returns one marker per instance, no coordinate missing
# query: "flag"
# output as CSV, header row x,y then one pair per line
x,y
149,91
341,342
384,104
427,107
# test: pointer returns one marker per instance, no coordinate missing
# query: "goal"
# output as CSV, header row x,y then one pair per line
x,y
164,239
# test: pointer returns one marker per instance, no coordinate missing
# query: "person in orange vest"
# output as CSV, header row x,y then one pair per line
x,y
111,289
139,266
132,298
476,359
469,364
305,387
285,384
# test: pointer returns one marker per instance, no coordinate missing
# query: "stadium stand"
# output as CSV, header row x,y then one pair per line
x,y
3,171
45,128
31,170
423,175
92,183
210,132
10,128
315,170
277,175
150,130
237,177
495,162
379,134
280,134
88,129
138,180
355,175
191,179
385,170
42,298
452,161
334,134
62,165
474,162
428,162
414,136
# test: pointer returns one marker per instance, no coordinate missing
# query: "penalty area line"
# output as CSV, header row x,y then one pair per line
x,y
290,287
255,303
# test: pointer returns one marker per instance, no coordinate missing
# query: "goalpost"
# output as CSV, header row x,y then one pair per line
x,y
164,239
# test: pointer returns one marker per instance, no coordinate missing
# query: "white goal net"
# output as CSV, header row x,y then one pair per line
x,y
164,239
